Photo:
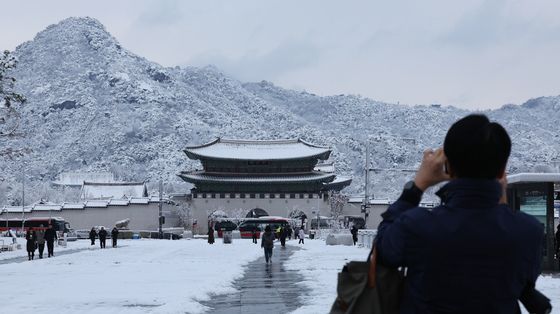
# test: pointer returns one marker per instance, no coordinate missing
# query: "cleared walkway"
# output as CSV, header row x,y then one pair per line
x,y
264,288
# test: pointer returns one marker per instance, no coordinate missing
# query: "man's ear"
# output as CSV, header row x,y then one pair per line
x,y
449,170
502,174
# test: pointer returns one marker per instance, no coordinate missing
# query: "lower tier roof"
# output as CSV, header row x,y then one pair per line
x,y
203,177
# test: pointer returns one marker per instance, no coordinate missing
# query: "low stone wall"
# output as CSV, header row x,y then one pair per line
x,y
339,239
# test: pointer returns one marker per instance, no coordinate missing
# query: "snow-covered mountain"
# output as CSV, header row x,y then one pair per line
x,y
93,105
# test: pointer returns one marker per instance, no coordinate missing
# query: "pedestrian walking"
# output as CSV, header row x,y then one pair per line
x,y
472,247
92,235
267,242
254,234
301,236
210,235
31,238
278,230
115,235
41,240
102,237
50,236
283,236
354,232
296,233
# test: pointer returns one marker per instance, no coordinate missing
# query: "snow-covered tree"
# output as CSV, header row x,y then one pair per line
x,y
9,117
184,212
336,202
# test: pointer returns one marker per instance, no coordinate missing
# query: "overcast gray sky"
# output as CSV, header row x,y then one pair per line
x,y
471,54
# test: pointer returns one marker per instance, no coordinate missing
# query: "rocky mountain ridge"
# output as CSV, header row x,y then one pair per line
x,y
95,106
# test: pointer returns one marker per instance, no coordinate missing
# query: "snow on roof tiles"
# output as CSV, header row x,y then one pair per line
x,y
46,207
16,209
143,200
117,202
257,150
73,206
85,205
96,203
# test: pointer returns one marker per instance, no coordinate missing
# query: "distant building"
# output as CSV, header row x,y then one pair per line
x,y
143,213
277,177
76,179
94,190
375,207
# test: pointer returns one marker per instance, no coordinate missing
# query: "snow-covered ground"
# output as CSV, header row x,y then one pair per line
x,y
319,264
153,276
141,276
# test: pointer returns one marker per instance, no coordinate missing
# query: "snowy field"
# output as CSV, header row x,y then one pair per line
x,y
153,276
141,276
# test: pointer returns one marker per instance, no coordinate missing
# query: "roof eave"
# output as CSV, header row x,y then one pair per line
x,y
191,179
322,155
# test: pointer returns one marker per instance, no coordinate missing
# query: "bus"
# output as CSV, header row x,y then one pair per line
x,y
247,226
59,224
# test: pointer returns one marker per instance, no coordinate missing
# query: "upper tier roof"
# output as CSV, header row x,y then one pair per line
x,y
257,150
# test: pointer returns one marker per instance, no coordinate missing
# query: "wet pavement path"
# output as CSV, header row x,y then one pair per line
x,y
264,288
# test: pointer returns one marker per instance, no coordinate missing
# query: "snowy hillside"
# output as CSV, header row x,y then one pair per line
x,y
93,105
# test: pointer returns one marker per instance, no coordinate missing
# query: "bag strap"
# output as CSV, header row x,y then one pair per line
x,y
372,265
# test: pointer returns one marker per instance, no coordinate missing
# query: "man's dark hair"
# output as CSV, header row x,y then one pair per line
x,y
477,148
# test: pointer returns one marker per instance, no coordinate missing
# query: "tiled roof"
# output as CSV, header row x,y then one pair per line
x,y
82,205
200,176
257,150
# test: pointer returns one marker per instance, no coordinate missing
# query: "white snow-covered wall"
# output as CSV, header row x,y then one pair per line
x,y
95,106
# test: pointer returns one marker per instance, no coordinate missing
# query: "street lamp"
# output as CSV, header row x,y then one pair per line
x,y
161,219
367,169
23,198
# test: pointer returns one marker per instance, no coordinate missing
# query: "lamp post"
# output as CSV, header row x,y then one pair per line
x,y
318,214
160,217
367,169
23,198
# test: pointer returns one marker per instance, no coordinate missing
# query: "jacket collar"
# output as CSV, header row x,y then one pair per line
x,y
470,193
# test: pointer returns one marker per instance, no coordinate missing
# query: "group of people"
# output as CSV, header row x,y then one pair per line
x,y
36,239
267,238
102,234
281,233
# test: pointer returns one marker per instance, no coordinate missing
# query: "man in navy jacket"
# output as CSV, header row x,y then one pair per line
x,y
472,254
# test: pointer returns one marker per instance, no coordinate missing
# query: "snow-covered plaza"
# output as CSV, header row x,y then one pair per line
x,y
162,276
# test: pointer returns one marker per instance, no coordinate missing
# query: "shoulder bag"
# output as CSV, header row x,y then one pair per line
x,y
368,287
